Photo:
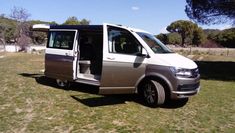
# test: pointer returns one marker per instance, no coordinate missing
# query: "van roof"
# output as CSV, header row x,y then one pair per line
x,y
79,27
44,27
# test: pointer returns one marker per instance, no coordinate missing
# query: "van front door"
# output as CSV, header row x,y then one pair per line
x,y
61,54
122,67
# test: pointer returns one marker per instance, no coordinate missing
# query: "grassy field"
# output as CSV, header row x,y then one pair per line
x,y
29,102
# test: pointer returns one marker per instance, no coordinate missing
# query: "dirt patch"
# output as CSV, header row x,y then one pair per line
x,y
118,123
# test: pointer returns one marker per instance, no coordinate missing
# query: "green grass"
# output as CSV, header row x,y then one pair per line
x,y
29,102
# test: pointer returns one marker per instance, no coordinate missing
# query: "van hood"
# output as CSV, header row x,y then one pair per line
x,y
174,59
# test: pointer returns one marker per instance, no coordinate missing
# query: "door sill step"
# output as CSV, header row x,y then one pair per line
x,y
89,79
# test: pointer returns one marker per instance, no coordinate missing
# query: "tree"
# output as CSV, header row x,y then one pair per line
x,y
184,28
198,36
173,38
211,33
3,28
53,23
162,38
84,22
10,34
72,21
211,11
20,15
8,29
227,38
37,36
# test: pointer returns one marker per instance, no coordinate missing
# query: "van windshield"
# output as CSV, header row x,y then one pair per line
x,y
156,45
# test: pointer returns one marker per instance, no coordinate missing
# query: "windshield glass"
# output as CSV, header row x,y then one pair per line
x,y
156,45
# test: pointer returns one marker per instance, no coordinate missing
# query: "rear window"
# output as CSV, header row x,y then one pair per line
x,y
61,39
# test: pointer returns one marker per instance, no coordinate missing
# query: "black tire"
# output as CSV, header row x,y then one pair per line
x,y
153,93
64,84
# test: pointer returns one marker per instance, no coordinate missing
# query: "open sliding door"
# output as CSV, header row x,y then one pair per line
x,y
61,54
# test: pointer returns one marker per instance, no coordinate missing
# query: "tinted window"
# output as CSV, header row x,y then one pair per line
x,y
61,39
122,41
154,43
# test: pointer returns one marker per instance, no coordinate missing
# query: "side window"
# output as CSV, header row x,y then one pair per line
x,y
122,41
61,39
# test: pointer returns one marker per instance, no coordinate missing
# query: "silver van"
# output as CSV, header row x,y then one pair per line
x,y
118,60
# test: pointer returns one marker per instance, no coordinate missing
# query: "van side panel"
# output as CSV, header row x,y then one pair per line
x,y
123,74
120,80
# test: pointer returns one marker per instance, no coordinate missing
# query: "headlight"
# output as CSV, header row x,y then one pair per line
x,y
181,72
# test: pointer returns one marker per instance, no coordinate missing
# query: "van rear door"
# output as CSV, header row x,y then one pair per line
x,y
61,54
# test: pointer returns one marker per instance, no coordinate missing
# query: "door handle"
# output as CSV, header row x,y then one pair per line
x,y
111,58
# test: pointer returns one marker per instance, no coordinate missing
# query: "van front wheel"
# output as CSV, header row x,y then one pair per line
x,y
153,93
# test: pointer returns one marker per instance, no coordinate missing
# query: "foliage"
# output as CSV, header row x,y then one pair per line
x,y
72,21
11,28
211,33
8,34
184,28
162,38
20,15
3,28
169,38
204,38
211,11
84,22
227,38
182,32
173,38
39,37
53,23
198,36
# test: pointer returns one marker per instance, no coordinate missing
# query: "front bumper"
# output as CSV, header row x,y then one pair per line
x,y
186,87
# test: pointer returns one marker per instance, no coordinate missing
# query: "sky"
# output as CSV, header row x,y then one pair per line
x,y
150,15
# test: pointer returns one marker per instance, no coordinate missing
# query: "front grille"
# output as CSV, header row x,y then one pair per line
x,y
188,87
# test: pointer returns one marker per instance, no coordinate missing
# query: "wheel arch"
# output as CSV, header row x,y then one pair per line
x,y
157,77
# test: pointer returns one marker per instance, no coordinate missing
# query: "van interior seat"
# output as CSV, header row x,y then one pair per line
x,y
86,49
91,53
130,48
118,48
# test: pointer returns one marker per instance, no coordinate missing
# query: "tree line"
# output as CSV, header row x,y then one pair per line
x,y
15,28
214,12
184,33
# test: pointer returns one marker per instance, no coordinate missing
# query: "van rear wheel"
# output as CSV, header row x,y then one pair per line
x,y
153,93
63,83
